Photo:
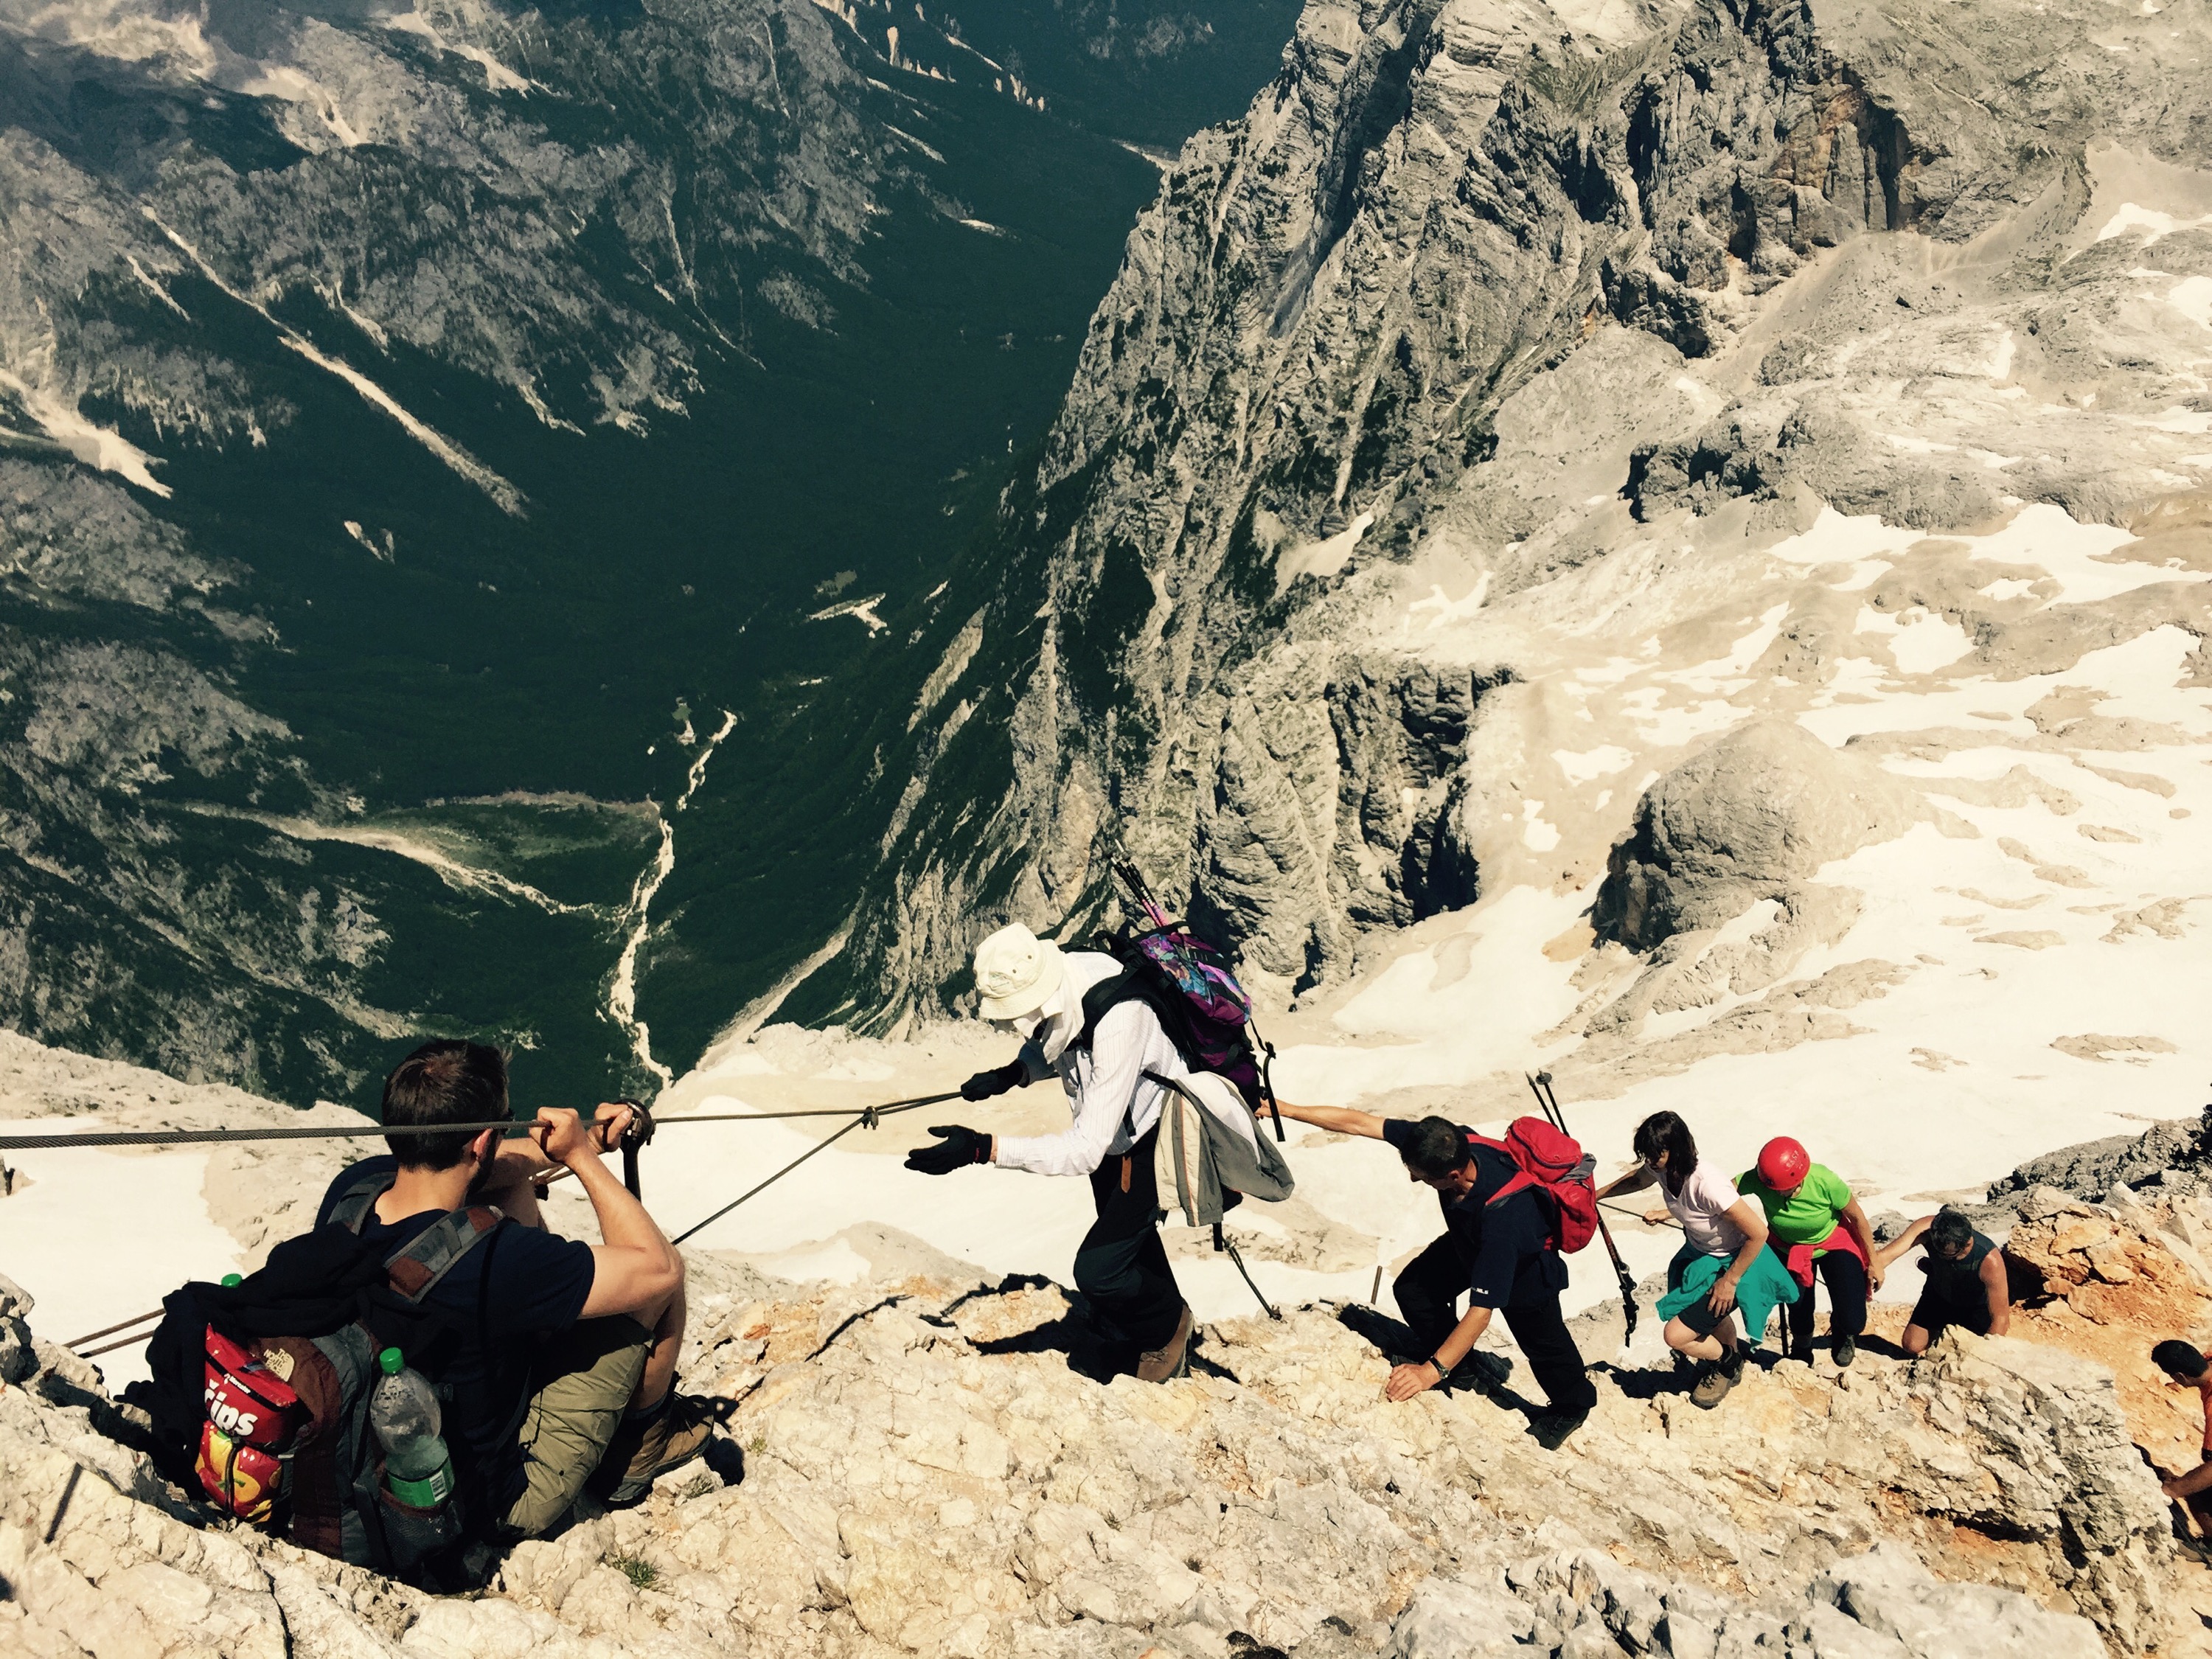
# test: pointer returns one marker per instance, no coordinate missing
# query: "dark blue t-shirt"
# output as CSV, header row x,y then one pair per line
x,y
514,1288
1505,1247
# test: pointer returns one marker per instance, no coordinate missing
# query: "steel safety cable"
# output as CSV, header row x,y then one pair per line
x,y
319,1131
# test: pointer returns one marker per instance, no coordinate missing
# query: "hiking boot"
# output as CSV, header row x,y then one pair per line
x,y
637,1456
1843,1350
1712,1385
1158,1365
1552,1428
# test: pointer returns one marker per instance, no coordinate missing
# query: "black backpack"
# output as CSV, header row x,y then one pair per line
x,y
260,1390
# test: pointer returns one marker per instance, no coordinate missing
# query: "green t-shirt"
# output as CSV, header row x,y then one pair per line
x,y
1810,1214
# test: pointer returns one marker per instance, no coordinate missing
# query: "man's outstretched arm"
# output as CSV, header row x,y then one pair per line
x,y
1903,1241
1339,1119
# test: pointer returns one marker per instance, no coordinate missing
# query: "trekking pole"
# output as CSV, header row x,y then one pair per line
x,y
1221,1242
1541,1086
1267,1078
109,1330
634,1137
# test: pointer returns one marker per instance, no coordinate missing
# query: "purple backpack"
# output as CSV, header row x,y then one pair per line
x,y
1204,1010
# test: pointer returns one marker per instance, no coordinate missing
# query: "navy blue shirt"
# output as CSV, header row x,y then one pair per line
x,y
1506,1248
516,1287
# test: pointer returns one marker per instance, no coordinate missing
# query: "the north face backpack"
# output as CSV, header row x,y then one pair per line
x,y
1553,1163
283,1364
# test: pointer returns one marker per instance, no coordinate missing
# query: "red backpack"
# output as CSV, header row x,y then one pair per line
x,y
1553,1163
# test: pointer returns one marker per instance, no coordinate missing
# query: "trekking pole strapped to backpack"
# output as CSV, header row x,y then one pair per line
x,y
1541,1086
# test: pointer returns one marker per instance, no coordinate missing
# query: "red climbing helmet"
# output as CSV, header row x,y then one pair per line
x,y
1782,1163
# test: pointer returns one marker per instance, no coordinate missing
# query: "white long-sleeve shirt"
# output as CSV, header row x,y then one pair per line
x,y
1113,1103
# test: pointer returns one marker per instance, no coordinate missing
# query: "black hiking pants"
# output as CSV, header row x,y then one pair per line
x,y
1846,1278
1428,1294
1121,1268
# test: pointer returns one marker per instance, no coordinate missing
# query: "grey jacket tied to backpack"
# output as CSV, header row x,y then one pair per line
x,y
1209,1143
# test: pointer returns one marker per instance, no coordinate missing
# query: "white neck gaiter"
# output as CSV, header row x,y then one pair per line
x,y
1060,1021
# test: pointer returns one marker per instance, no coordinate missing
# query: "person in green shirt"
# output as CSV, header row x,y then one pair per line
x,y
1814,1222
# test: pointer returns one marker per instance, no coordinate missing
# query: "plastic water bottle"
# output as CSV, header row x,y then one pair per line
x,y
404,1411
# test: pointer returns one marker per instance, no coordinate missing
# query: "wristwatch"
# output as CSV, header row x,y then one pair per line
x,y
1443,1370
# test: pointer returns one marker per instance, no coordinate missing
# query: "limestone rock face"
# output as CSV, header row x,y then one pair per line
x,y
2171,1155
1494,348
18,1358
923,1472
1889,1594
1751,817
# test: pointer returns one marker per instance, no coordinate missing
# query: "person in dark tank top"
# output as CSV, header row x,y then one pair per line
x,y
1965,1279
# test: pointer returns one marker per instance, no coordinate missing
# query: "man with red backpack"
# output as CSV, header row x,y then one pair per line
x,y
1508,1208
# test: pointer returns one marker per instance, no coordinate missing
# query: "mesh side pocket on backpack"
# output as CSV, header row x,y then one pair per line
x,y
414,1535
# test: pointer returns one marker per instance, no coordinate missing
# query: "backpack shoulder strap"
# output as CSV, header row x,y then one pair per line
x,y
353,1204
1126,985
1520,1182
417,1265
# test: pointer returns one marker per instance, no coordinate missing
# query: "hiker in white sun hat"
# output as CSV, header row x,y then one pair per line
x,y
1079,1020
1017,972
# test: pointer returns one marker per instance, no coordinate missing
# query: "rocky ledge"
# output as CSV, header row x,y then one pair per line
x,y
918,1463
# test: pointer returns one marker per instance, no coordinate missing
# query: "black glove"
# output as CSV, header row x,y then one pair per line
x,y
956,1147
996,1081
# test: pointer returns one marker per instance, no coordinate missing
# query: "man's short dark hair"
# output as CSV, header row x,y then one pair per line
x,y
447,1081
1435,1148
1665,1131
1950,1233
2179,1359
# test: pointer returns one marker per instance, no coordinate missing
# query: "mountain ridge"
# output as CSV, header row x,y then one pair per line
x,y
1711,204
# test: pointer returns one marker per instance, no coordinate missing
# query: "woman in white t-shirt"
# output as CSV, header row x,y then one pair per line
x,y
1723,1264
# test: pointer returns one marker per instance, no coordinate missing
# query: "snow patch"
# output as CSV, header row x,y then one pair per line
x,y
861,610
82,1289
2147,220
95,445
2192,297
1924,642
1602,763
292,86
1537,833
497,77
1322,558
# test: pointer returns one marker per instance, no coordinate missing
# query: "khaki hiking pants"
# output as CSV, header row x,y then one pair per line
x,y
582,1385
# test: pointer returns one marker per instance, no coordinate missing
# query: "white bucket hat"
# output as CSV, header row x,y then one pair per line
x,y
1017,972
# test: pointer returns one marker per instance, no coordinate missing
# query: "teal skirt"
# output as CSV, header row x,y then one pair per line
x,y
1690,1279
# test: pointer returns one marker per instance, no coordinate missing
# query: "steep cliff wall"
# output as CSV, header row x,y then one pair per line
x,y
1483,294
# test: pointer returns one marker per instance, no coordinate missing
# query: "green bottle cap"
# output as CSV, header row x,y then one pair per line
x,y
229,1279
391,1362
